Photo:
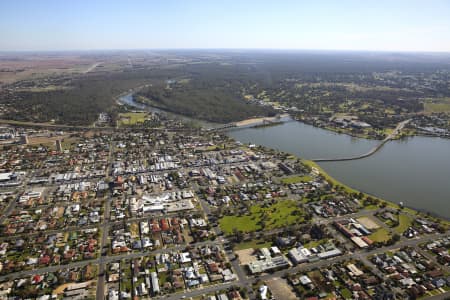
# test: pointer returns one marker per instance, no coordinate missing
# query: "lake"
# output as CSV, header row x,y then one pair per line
x,y
415,170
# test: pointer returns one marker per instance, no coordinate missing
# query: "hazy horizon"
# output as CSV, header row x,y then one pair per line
x,y
228,50
382,26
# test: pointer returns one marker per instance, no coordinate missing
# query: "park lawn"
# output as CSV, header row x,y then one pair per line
x,y
296,179
371,207
241,223
275,216
404,221
255,244
132,118
381,235
281,214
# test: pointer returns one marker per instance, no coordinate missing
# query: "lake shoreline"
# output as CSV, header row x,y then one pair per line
x,y
395,172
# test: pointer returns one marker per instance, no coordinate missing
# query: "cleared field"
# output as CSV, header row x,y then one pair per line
x,y
245,256
46,140
67,142
15,68
369,223
280,289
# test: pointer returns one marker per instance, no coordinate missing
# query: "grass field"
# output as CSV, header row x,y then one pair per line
x,y
381,235
371,207
296,179
132,118
280,214
242,223
440,105
404,222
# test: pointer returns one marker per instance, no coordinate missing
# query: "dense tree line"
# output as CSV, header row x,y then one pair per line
x,y
78,103
203,102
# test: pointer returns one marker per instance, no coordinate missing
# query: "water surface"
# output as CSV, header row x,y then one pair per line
x,y
415,171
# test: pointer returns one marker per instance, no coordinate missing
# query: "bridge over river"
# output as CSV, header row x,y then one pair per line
x,y
391,136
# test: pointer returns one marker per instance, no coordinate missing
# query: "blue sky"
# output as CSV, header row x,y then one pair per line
x,y
393,25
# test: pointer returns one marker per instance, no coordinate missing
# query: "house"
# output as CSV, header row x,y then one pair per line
x,y
222,297
263,292
184,257
155,282
354,271
305,280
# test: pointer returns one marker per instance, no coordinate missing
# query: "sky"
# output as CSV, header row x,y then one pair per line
x,y
376,25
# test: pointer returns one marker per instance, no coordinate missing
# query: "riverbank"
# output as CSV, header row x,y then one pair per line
x,y
264,121
127,99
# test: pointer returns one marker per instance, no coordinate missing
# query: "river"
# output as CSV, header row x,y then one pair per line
x,y
128,100
415,170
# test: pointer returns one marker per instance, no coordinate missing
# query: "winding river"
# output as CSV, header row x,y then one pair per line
x,y
128,100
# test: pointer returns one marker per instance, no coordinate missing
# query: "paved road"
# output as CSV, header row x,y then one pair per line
x,y
103,244
444,296
91,68
13,202
105,233
8,210
323,263
105,259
